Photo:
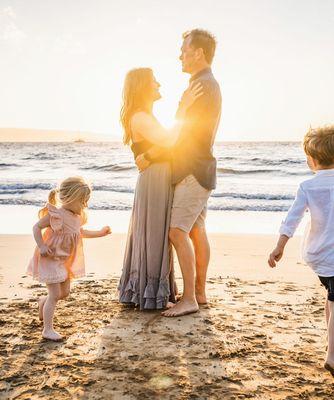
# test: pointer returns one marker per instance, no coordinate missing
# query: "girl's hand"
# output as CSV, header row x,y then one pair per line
x,y
191,95
106,230
45,250
275,256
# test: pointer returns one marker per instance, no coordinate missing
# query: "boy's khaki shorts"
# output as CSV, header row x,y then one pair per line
x,y
189,204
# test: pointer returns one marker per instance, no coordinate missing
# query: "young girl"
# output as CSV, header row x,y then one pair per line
x,y
59,257
317,196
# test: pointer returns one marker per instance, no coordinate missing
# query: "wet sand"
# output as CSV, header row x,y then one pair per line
x,y
262,335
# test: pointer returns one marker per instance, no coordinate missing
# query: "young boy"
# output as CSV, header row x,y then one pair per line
x,y
317,196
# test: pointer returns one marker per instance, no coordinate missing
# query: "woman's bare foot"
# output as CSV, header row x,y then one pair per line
x,y
41,302
52,335
183,307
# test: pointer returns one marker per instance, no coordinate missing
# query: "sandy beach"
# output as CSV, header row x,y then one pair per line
x,y
262,335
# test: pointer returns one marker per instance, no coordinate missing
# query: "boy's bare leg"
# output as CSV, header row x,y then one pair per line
x,y
185,254
202,255
327,312
330,351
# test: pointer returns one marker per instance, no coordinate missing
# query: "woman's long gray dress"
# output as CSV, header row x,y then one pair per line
x,y
147,277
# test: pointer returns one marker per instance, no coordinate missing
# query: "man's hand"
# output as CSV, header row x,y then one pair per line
x,y
275,256
45,250
142,163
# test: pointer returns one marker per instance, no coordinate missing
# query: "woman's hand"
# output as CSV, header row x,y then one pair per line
x,y
45,250
106,230
194,91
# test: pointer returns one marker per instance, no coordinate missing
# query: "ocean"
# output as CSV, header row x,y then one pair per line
x,y
251,176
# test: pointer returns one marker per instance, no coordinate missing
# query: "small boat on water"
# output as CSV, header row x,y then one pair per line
x,y
79,141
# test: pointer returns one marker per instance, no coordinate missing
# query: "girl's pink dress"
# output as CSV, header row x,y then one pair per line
x,y
64,238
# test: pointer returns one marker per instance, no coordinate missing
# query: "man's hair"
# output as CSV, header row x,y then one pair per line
x,y
204,40
319,144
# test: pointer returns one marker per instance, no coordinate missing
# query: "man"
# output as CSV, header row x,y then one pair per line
x,y
193,172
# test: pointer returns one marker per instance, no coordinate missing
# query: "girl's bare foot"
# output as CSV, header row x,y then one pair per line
x,y
41,302
170,305
52,335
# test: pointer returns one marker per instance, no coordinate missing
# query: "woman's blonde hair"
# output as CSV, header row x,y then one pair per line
x,y
319,144
136,97
73,189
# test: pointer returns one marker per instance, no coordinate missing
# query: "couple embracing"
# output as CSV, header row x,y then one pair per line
x,y
177,175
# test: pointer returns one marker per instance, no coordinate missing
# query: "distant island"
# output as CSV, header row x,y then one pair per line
x,y
49,135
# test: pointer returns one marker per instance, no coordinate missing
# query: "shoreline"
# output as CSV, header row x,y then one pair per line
x,y
240,256
20,220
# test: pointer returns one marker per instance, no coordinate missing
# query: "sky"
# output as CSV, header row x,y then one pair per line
x,y
63,63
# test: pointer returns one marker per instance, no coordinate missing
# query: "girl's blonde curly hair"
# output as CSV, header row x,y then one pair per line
x,y
71,190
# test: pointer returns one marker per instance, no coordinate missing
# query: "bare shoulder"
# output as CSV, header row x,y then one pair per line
x,y
142,121
140,117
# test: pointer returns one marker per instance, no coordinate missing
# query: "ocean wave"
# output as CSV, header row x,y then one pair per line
x,y
275,208
252,196
266,161
17,188
117,189
279,172
39,203
8,165
243,172
110,167
126,207
41,156
18,191
26,186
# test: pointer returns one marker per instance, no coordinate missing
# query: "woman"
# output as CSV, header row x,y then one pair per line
x,y
147,278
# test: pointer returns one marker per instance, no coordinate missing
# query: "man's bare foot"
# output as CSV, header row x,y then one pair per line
x,y
183,307
330,368
52,335
41,302
201,299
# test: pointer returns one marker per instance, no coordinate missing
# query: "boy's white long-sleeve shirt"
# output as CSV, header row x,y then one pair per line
x,y
317,196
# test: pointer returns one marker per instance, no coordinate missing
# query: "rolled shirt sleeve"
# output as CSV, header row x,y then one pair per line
x,y
295,214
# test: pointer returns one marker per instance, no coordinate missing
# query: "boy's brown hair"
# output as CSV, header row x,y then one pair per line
x,y
319,144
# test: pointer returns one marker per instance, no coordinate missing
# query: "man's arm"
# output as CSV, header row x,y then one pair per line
x,y
189,98
205,115
143,161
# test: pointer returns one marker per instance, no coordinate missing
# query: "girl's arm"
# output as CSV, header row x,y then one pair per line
x,y
86,234
37,232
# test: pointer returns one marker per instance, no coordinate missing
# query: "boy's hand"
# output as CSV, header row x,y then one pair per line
x,y
106,230
45,250
275,256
